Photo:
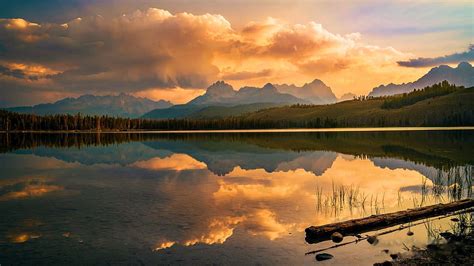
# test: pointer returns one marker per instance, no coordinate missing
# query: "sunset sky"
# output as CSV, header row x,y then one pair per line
x,y
174,49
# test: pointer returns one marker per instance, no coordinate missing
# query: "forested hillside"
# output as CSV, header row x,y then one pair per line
x,y
438,105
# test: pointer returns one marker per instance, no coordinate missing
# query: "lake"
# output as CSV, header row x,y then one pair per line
x,y
221,198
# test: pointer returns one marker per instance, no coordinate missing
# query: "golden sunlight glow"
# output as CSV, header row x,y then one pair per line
x,y
31,187
30,191
19,23
261,198
163,245
22,237
32,69
176,162
219,230
264,222
179,68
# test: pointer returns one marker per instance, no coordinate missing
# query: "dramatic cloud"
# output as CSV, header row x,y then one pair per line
x,y
447,59
25,72
246,75
151,51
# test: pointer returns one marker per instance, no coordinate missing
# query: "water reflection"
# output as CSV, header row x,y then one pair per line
x,y
218,198
31,188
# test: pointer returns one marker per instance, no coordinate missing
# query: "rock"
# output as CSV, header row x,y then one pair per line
x,y
446,235
394,256
337,237
410,233
372,240
358,236
324,256
385,263
454,219
386,251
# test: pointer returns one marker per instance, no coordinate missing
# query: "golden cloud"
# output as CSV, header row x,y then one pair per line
x,y
155,49
30,191
176,162
163,245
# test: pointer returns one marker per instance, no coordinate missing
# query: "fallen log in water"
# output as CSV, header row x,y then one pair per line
x,y
316,234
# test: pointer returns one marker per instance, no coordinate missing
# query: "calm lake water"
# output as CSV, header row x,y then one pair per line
x,y
230,198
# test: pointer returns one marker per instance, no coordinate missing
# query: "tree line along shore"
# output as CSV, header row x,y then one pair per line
x,y
442,104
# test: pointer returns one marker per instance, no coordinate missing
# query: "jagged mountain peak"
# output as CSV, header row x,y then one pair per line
x,y
464,65
269,87
462,75
221,93
317,82
220,88
315,91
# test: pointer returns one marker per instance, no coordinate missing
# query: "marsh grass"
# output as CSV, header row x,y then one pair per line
x,y
446,186
347,197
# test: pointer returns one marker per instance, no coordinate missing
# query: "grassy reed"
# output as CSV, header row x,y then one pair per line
x,y
447,185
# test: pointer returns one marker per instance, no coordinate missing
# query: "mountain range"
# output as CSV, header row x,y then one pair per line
x,y
221,100
316,92
221,93
462,75
123,105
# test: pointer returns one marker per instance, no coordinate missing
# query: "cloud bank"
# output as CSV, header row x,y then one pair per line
x,y
447,59
150,51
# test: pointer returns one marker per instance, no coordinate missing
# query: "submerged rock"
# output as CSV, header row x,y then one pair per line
x,y
458,250
337,237
446,235
385,263
432,246
372,240
324,256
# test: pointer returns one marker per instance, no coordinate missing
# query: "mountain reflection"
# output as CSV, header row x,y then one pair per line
x,y
223,152
165,193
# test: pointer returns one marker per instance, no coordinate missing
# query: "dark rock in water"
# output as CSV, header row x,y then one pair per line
x,y
337,237
446,235
372,240
410,233
455,219
394,256
432,247
324,256
385,263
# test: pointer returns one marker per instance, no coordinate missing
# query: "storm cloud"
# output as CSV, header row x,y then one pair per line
x,y
153,50
435,61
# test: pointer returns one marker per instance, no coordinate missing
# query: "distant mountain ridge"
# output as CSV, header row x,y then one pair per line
x,y
219,100
347,97
222,100
221,93
316,92
462,75
124,105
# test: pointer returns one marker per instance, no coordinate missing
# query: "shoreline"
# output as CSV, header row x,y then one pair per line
x,y
288,130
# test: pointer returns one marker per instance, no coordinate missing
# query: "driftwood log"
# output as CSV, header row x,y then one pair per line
x,y
315,234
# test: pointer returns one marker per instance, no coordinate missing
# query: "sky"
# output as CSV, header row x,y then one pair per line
x,y
173,50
